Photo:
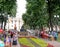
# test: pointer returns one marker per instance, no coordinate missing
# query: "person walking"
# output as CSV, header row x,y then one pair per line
x,y
56,35
15,39
7,41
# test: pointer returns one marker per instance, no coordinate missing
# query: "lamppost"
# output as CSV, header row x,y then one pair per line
x,y
56,16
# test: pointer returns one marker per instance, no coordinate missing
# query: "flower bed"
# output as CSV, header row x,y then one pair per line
x,y
40,42
25,42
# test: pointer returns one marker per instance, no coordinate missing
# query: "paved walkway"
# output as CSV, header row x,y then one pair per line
x,y
54,43
18,45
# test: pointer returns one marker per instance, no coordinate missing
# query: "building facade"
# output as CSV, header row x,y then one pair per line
x,y
14,21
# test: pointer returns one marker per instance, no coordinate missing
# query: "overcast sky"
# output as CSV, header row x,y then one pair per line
x,y
21,8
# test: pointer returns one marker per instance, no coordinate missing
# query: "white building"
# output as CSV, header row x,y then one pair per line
x,y
12,21
21,8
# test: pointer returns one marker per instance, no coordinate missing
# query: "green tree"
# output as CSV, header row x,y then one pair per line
x,y
53,9
7,7
41,13
36,14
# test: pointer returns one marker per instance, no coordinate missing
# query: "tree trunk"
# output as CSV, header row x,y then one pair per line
x,y
1,24
50,15
4,25
41,26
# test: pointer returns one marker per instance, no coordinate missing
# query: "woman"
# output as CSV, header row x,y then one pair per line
x,y
15,38
7,42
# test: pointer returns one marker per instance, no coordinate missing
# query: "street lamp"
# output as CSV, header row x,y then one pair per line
x,y
56,16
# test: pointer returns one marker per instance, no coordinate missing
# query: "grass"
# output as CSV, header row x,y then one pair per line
x,y
58,39
39,42
24,41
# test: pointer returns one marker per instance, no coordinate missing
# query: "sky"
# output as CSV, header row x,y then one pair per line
x,y
21,8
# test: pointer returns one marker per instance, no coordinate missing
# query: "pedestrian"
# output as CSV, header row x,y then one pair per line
x,y
11,34
15,38
56,35
7,41
5,34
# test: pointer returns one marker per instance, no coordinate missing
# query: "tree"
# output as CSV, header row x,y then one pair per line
x,y
36,14
53,9
7,7
41,13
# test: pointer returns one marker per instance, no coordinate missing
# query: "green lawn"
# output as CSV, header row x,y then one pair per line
x,y
58,39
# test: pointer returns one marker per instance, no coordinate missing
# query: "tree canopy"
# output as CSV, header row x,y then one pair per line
x,y
41,13
36,13
8,6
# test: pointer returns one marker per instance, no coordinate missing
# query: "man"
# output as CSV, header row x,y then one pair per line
x,y
15,39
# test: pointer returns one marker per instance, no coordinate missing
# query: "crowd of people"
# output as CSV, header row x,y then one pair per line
x,y
9,39
49,34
